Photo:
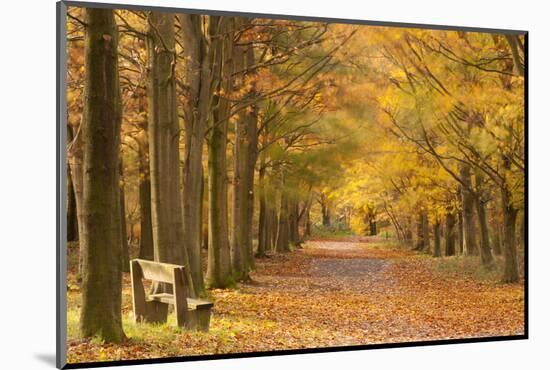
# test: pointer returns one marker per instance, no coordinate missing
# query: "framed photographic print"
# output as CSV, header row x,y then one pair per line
x,y
238,184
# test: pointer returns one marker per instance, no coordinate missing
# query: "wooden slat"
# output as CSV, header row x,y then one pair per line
x,y
199,303
192,303
161,297
163,272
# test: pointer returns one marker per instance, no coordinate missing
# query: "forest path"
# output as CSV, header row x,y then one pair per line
x,y
326,294
361,291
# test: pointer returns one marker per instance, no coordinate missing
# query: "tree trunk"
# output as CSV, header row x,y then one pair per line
x,y
307,232
326,214
263,240
219,262
283,228
125,259
511,273
146,228
100,238
450,234
245,156
252,123
422,242
460,249
293,236
75,156
72,219
468,200
437,239
497,244
198,59
486,255
484,243
274,227
166,205
426,232
239,227
372,227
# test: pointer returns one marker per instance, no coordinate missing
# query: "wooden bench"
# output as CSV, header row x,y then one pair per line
x,y
190,313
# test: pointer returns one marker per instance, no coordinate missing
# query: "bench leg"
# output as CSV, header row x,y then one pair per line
x,y
203,319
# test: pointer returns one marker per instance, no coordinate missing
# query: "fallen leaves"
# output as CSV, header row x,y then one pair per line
x,y
326,294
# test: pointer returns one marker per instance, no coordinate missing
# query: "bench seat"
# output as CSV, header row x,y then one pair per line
x,y
192,303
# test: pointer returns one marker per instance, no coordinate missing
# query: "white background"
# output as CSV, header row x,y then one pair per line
x,y
27,186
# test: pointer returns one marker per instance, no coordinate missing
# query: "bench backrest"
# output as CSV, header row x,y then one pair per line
x,y
157,271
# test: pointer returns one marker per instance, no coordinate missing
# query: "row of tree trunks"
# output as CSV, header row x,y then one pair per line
x,y
239,219
166,209
100,235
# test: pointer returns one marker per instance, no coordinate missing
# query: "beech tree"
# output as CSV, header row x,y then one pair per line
x,y
219,273
100,236
164,131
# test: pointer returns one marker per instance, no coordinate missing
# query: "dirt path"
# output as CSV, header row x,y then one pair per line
x,y
328,294
360,293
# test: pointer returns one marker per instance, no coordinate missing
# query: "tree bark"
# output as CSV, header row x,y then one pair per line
x,y
485,246
125,258
307,232
146,228
198,73
245,156
450,234
100,238
239,227
511,273
219,262
263,241
460,249
468,200
166,205
437,239
497,244
75,154
326,214
72,219
423,239
293,235
484,242
283,228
